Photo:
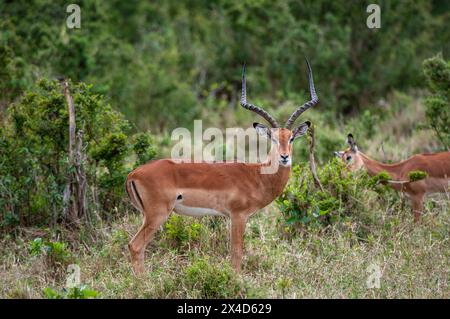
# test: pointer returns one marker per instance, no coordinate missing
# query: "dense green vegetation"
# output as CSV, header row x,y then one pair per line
x,y
34,165
437,105
139,69
163,63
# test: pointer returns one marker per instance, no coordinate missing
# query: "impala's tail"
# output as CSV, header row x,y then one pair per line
x,y
133,194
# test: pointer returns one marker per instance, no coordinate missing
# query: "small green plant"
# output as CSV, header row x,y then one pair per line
x,y
81,292
181,231
35,247
418,175
284,284
56,253
380,178
212,280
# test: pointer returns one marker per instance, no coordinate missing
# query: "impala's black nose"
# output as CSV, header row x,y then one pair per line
x,y
284,159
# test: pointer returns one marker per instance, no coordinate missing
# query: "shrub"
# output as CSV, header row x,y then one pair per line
x,y
182,232
34,161
345,195
212,280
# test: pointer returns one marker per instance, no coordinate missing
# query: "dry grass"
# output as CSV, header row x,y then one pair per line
x,y
329,263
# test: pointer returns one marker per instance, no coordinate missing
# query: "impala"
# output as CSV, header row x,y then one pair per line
x,y
436,166
231,189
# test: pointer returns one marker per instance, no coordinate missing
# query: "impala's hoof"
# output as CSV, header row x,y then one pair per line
x,y
138,269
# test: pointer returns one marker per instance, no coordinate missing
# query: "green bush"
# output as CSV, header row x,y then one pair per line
x,y
34,158
182,231
212,280
345,195
437,106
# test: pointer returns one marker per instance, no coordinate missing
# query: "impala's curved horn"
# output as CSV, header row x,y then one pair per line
x,y
252,107
351,142
314,99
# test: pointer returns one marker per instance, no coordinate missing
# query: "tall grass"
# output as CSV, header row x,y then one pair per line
x,y
316,263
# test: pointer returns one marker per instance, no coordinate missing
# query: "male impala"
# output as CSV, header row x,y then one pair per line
x,y
231,189
437,167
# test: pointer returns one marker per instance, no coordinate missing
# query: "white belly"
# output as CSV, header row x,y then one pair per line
x,y
195,211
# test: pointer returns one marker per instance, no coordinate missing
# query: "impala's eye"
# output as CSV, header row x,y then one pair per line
x,y
291,140
349,158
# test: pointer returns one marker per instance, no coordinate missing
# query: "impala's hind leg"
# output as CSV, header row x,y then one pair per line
x,y
152,221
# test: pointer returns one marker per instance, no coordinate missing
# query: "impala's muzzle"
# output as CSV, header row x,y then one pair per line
x,y
284,159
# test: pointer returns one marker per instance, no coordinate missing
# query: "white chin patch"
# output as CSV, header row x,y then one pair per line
x,y
288,163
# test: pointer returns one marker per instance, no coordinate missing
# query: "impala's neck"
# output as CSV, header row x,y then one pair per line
x,y
274,175
374,167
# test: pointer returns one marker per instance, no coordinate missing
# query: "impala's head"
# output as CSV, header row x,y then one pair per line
x,y
351,156
282,137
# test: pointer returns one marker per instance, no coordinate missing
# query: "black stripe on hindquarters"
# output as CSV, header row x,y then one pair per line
x,y
137,194
127,190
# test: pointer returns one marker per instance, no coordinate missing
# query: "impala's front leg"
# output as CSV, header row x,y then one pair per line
x,y
238,223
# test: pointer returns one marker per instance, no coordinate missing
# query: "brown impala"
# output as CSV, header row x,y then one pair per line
x,y
236,190
437,167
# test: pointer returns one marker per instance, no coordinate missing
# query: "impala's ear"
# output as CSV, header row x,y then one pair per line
x,y
338,154
262,130
301,129
351,143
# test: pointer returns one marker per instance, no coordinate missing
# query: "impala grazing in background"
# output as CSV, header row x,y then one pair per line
x,y
236,190
437,167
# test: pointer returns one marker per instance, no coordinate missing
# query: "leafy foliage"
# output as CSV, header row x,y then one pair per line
x,y
183,233
82,292
34,163
212,280
164,63
144,147
437,72
343,196
56,254
418,175
380,178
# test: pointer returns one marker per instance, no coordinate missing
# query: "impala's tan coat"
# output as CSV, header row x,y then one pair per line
x,y
235,190
436,165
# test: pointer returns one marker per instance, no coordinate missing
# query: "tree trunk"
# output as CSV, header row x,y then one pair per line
x,y
74,198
